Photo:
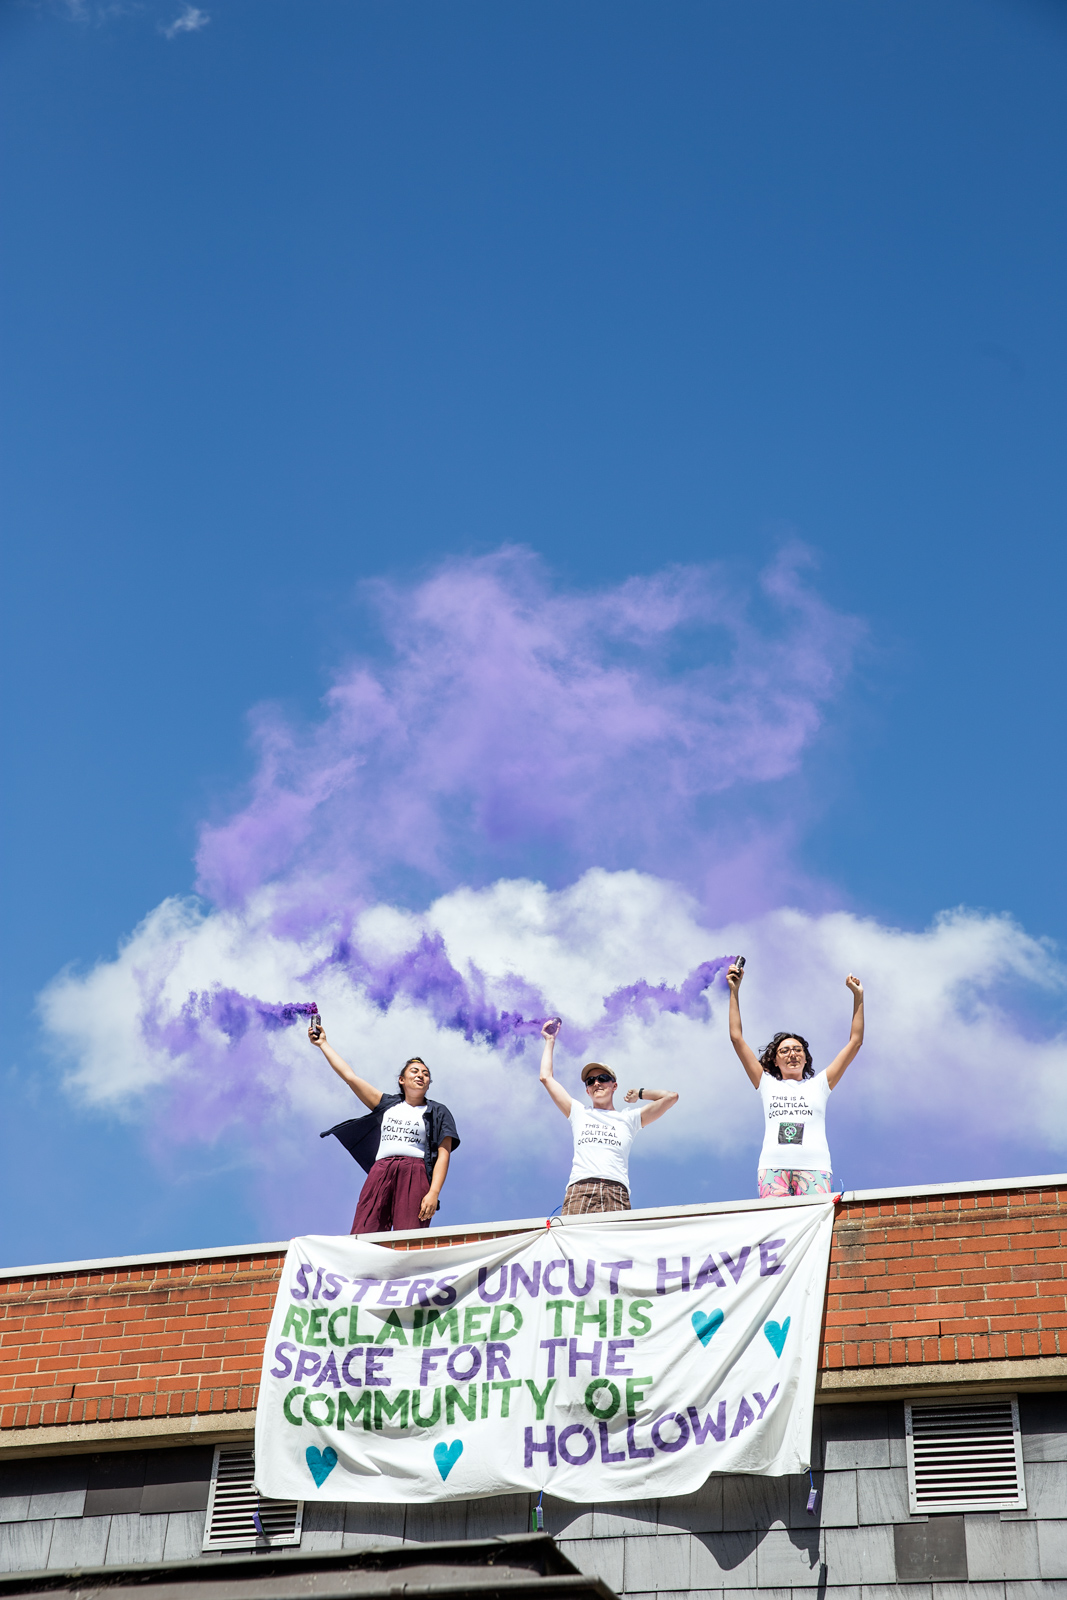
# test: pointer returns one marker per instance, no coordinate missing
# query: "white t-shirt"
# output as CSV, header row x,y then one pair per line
x,y
602,1141
795,1117
403,1131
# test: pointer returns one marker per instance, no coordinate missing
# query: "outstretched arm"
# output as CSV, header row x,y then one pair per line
x,y
556,1090
432,1198
661,1101
855,1038
359,1086
747,1056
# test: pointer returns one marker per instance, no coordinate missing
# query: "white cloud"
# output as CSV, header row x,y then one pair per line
x,y
947,1063
190,20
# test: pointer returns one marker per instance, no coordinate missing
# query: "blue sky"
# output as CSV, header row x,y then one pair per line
x,y
315,294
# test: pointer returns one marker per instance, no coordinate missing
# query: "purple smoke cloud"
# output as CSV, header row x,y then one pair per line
x,y
510,729
426,976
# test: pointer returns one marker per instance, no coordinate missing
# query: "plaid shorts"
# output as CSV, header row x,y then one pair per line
x,y
595,1194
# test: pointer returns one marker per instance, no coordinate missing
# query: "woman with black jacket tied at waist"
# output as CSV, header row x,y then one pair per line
x,y
404,1145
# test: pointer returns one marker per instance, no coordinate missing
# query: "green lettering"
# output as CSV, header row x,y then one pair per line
x,y
347,1407
557,1307
635,1394
342,1311
496,1331
296,1321
505,1386
453,1398
617,1325
382,1403
416,1415
590,1399
472,1326
539,1399
320,1399
296,1421
391,1331
438,1322
315,1327
599,1316
639,1323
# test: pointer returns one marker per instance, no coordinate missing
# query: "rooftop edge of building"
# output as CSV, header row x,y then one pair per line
x,y
470,1232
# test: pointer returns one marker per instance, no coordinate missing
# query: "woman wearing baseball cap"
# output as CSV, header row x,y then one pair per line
x,y
600,1175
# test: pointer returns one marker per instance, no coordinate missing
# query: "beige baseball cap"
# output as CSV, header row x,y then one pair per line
x,y
595,1066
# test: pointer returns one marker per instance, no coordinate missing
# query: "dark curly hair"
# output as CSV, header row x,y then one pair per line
x,y
768,1060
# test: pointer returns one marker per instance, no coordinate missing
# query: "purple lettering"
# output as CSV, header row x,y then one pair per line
x,y
763,1404
353,1383
552,1288
497,1356
735,1268
768,1258
670,1444
280,1355
563,1445
662,1275
709,1273
716,1425
615,1349
328,1373
632,1450
592,1356
430,1358
307,1362
607,1454
474,1368
552,1345
483,1274
745,1415
301,1279
590,1279
614,1269
549,1446
388,1296
445,1292
375,1356
532,1285
417,1292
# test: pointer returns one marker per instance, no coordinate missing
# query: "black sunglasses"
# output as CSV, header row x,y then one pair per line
x,y
601,1077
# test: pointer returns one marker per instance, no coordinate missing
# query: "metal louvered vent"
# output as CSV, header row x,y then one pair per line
x,y
234,1508
965,1458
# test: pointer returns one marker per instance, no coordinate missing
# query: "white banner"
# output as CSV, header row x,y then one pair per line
x,y
604,1360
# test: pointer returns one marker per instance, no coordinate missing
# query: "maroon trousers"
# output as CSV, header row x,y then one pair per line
x,y
391,1195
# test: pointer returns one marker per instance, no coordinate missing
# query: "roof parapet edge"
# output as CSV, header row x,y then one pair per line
x,y
1048,1180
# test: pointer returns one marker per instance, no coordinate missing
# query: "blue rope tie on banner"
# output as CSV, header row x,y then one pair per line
x,y
813,1497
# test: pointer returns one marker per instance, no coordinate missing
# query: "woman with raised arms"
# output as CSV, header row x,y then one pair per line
x,y
403,1146
600,1172
795,1158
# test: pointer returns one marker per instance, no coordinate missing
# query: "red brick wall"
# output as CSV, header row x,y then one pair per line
x,y
947,1278
159,1340
925,1279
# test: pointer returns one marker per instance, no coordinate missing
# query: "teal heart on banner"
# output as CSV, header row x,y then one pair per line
x,y
446,1455
320,1462
776,1333
706,1325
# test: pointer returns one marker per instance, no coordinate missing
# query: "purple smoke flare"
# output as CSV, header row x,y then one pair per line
x,y
645,1000
426,976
